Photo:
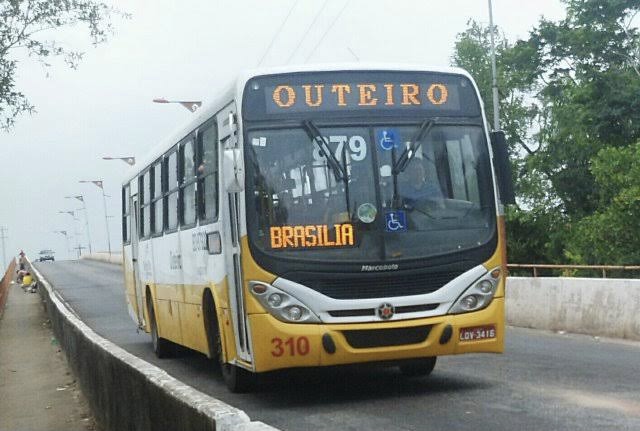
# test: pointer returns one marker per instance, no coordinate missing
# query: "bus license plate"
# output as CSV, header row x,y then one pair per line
x,y
477,333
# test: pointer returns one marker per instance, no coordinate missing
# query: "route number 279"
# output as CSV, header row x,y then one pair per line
x,y
292,346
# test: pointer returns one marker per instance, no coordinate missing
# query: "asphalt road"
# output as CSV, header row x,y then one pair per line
x,y
544,381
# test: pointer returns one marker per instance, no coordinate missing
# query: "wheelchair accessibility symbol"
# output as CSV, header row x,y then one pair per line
x,y
387,138
395,221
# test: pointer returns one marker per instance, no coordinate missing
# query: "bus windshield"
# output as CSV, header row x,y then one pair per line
x,y
386,192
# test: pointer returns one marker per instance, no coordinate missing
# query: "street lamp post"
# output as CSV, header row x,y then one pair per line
x,y
128,160
75,219
187,104
494,77
99,183
86,217
66,237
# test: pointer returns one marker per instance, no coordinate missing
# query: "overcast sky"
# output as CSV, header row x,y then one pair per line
x,y
190,49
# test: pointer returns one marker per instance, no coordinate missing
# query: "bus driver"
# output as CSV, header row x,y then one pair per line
x,y
418,189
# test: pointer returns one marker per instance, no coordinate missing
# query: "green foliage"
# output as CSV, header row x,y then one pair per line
x,y
585,72
29,26
535,236
611,234
571,90
472,53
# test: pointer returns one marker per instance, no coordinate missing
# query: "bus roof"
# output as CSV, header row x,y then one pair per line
x,y
334,67
235,88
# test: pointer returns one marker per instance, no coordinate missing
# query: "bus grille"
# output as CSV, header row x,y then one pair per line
x,y
372,311
363,339
380,286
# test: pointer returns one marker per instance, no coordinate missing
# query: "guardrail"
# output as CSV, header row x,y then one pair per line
x,y
571,270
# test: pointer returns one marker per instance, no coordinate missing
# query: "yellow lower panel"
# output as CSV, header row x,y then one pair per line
x,y
169,292
168,319
224,317
192,327
279,345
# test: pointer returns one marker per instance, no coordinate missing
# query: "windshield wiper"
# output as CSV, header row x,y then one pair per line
x,y
339,171
401,163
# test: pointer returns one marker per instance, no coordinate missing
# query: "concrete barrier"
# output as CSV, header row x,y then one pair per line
x,y
127,393
115,258
604,307
5,282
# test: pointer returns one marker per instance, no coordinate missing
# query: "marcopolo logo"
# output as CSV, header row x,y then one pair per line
x,y
371,268
385,311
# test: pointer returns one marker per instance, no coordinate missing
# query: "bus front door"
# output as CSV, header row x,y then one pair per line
x,y
135,238
231,204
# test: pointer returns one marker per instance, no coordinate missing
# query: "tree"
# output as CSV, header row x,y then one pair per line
x,y
584,72
575,86
528,233
30,26
612,233
472,53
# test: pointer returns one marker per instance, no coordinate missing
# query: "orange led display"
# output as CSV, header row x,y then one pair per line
x,y
410,94
389,88
338,95
307,95
339,235
435,98
341,89
366,95
291,96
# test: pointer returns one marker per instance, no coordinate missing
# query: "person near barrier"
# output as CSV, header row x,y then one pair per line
x,y
27,279
20,275
22,260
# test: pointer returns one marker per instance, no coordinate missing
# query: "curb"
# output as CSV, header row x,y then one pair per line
x,y
126,392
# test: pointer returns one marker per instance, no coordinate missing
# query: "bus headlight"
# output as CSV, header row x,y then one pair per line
x,y
281,305
469,302
275,300
485,286
294,313
478,295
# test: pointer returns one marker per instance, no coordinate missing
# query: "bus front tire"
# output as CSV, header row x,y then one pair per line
x,y
238,380
418,367
161,347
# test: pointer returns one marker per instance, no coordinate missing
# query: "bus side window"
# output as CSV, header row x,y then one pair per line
x,y
145,207
187,201
171,193
126,215
157,222
207,172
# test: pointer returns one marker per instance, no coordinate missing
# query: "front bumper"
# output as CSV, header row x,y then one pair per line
x,y
278,345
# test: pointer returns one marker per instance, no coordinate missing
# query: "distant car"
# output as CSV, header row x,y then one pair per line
x,y
46,255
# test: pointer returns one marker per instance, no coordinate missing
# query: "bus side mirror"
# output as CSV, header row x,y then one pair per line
x,y
502,167
233,170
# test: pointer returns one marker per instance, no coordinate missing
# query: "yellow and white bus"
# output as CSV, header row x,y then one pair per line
x,y
323,216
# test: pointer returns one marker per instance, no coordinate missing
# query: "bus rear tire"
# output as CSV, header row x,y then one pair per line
x,y
418,367
161,347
